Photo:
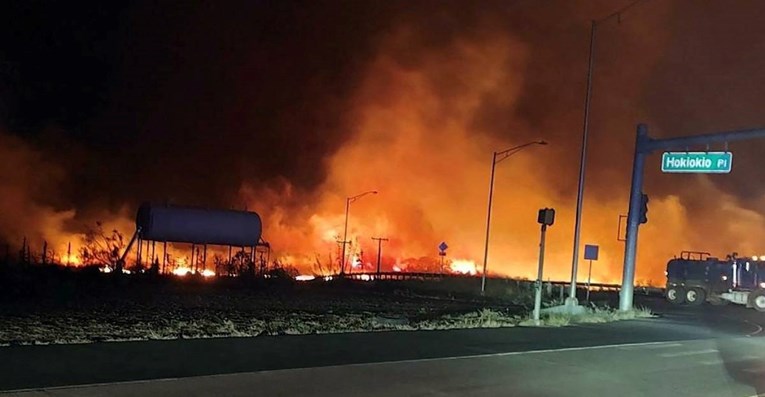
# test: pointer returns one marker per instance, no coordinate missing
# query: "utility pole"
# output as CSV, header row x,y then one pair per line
x,y
379,252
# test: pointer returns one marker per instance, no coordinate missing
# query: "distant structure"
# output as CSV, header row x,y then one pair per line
x,y
197,226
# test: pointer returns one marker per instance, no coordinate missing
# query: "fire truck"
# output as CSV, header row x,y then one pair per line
x,y
697,277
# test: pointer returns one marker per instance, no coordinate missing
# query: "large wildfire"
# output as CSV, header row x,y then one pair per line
x,y
422,122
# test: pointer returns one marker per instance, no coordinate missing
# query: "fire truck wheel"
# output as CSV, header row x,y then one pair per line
x,y
695,296
676,295
757,300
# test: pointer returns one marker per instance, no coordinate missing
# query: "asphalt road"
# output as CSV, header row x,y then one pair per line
x,y
706,351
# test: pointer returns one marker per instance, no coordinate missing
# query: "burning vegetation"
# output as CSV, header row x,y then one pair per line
x,y
412,108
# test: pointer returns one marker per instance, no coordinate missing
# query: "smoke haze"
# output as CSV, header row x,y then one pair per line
x,y
289,108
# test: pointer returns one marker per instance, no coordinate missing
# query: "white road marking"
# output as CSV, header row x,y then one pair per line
x,y
757,331
93,385
712,362
417,360
691,353
651,346
757,327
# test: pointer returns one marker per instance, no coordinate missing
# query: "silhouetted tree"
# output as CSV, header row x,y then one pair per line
x,y
154,268
101,248
242,265
280,270
331,266
221,265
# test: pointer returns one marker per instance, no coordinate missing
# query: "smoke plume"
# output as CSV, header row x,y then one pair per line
x,y
291,108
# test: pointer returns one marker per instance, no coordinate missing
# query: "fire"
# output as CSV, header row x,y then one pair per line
x,y
182,271
71,259
418,122
463,266
356,262
422,134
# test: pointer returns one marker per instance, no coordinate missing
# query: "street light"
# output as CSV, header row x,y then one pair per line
x,y
348,202
571,300
498,156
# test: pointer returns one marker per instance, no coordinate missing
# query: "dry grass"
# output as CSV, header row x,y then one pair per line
x,y
484,318
606,315
591,316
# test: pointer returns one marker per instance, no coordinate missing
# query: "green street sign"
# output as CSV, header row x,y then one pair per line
x,y
697,162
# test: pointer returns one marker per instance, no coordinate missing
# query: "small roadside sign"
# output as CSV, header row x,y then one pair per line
x,y
591,252
697,162
442,247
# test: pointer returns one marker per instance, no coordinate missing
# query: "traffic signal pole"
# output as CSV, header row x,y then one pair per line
x,y
645,145
633,219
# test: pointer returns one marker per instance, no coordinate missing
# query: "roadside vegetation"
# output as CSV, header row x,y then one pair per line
x,y
593,314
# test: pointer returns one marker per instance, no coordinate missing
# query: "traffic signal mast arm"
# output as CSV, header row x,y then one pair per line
x,y
645,145
648,145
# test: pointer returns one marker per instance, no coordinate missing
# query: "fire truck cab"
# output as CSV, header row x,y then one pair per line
x,y
697,277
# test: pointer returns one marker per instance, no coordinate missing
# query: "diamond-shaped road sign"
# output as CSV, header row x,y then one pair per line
x,y
442,247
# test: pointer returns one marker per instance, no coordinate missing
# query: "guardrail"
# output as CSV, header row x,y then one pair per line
x,y
400,276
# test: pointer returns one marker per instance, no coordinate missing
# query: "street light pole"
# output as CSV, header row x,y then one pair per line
x,y
348,202
571,300
488,223
582,166
497,157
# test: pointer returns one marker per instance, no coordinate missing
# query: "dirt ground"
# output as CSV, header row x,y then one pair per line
x,y
57,306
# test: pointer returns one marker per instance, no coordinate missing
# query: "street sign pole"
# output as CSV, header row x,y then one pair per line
x,y
442,253
589,278
590,254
